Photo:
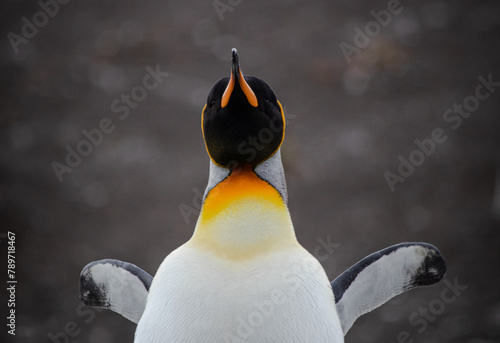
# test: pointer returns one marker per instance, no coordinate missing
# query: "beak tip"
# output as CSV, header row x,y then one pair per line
x,y
234,59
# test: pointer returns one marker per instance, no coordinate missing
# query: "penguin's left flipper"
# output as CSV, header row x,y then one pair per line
x,y
382,275
119,286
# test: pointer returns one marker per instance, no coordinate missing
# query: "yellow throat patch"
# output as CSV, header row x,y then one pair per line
x,y
243,216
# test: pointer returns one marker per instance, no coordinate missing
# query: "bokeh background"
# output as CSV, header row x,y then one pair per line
x,y
347,124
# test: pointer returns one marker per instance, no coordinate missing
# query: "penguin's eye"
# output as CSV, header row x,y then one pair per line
x,y
212,103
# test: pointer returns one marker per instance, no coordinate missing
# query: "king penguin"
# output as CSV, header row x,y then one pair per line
x,y
243,276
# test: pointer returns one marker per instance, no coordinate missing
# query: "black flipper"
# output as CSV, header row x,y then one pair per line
x,y
119,286
384,274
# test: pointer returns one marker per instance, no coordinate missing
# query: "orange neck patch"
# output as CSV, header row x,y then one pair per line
x,y
241,184
243,217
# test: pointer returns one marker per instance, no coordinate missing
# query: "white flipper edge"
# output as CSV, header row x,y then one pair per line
x,y
382,275
119,286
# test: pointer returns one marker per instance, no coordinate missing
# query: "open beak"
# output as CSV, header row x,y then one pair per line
x,y
237,76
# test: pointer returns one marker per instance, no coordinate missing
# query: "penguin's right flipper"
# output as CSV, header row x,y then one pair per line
x,y
382,275
119,286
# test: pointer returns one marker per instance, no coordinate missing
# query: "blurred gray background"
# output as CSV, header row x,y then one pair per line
x,y
347,124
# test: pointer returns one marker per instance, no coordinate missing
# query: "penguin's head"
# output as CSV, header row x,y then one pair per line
x,y
242,123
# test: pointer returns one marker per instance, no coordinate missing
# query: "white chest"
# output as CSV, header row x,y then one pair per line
x,y
282,296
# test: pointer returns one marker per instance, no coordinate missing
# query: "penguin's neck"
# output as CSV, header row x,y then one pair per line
x,y
244,212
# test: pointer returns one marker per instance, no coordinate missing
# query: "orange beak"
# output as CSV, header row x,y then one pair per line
x,y
237,76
